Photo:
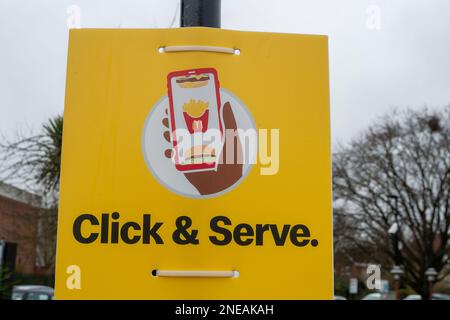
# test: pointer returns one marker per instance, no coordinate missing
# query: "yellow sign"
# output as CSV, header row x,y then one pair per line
x,y
196,165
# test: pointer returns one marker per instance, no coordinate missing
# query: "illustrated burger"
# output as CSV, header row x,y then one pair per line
x,y
193,81
200,154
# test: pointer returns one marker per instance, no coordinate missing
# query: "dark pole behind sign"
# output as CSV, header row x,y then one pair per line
x,y
200,13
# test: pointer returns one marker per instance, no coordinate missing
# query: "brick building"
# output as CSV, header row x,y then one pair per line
x,y
19,215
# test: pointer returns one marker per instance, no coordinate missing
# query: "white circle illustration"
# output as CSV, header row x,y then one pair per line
x,y
163,168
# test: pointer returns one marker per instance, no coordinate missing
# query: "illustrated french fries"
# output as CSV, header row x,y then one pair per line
x,y
196,113
195,108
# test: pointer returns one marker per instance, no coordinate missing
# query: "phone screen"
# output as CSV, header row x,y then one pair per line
x,y
195,120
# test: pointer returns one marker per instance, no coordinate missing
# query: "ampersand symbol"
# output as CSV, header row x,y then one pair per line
x,y
182,235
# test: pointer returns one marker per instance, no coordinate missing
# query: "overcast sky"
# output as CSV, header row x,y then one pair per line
x,y
383,53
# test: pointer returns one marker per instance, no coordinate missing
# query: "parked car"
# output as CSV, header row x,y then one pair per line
x,y
413,297
31,292
372,296
440,296
434,296
379,296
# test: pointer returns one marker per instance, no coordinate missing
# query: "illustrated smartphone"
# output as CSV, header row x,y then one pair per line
x,y
195,119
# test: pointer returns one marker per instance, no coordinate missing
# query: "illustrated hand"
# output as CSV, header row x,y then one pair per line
x,y
227,174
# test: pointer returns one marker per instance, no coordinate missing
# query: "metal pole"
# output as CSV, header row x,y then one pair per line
x,y
200,13
2,247
395,236
397,289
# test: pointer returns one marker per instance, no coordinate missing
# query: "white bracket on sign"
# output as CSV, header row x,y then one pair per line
x,y
195,274
169,49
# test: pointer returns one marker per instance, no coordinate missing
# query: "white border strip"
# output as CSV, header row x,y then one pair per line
x,y
199,48
195,274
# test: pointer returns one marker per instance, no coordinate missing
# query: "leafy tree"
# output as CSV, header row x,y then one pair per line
x,y
6,283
